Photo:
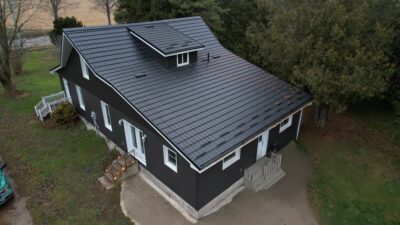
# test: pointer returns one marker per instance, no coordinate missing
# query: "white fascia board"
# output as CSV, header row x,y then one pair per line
x,y
194,167
252,139
137,111
160,52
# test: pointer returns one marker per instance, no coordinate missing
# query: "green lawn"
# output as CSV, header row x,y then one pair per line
x,y
356,177
55,168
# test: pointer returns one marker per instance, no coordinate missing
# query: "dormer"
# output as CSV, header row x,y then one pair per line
x,y
167,45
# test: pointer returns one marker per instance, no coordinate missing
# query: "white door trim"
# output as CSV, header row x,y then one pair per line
x,y
262,145
138,152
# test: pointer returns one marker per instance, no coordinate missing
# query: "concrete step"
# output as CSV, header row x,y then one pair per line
x,y
264,184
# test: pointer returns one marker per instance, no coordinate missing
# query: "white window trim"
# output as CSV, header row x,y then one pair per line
x,y
285,126
80,97
167,162
226,164
67,92
85,68
105,108
183,63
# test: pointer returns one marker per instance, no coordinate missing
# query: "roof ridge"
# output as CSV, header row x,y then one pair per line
x,y
114,26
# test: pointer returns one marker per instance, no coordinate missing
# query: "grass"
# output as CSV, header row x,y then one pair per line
x,y
55,169
356,177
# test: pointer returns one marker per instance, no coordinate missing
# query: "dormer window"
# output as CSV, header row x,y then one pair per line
x,y
182,59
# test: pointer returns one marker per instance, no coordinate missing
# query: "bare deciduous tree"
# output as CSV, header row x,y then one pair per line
x,y
56,6
17,13
105,6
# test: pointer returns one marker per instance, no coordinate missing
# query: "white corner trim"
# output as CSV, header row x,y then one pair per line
x,y
160,52
298,126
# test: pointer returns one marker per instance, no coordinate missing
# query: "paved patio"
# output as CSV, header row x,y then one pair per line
x,y
285,203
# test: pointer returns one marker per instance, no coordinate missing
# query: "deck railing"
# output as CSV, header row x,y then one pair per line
x,y
49,103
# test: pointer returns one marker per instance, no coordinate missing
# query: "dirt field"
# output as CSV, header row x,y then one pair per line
x,y
81,9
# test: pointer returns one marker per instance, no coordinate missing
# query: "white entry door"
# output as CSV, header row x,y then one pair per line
x,y
66,88
134,142
262,144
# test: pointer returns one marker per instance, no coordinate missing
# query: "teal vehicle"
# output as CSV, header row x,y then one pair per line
x,y
5,189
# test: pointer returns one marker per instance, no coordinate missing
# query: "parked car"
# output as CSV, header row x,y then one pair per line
x,y
6,191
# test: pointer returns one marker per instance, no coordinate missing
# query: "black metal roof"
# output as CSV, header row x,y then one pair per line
x,y
206,109
164,38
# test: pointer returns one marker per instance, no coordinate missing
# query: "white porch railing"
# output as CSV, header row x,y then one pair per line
x,y
49,103
264,173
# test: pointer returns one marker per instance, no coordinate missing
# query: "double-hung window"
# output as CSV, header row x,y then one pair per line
x,y
170,158
85,68
286,123
230,159
106,115
182,59
80,97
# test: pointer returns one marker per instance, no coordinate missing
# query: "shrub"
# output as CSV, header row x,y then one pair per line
x,y
64,113
58,26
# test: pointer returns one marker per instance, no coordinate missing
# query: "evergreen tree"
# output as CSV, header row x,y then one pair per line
x,y
129,11
340,51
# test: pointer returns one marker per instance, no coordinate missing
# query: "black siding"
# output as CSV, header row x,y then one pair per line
x,y
215,180
183,183
278,140
196,189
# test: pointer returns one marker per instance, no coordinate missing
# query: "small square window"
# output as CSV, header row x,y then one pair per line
x,y
182,59
230,159
286,123
106,115
85,68
170,158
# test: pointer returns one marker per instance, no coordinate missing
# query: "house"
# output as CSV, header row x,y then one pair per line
x,y
194,115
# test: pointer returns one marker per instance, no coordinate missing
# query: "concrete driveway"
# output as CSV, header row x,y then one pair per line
x,y
286,203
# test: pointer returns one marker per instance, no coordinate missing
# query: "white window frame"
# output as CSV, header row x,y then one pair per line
x,y
105,108
283,125
168,163
183,63
85,68
80,97
230,161
67,92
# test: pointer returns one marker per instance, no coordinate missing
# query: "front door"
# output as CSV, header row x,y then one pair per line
x,y
134,142
262,144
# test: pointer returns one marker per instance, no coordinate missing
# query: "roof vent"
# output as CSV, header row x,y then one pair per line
x,y
216,56
149,26
140,75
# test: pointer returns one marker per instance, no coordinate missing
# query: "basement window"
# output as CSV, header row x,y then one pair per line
x,y
230,159
85,68
182,59
286,123
106,115
170,158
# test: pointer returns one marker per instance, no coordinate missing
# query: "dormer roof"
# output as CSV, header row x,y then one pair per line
x,y
164,39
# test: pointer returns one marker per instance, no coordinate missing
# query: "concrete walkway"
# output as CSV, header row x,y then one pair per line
x,y
285,203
